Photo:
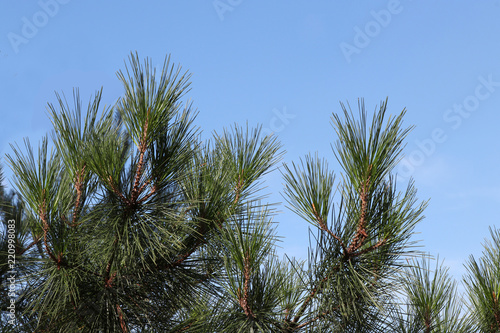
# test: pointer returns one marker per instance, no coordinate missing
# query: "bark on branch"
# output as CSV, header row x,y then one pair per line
x,y
324,227
243,297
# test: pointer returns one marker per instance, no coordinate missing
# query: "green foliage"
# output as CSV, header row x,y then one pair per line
x,y
433,304
483,282
352,272
127,222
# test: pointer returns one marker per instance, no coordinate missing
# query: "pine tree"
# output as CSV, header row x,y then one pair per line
x,y
127,209
352,271
127,221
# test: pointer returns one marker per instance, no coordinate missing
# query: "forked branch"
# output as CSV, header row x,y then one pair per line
x,y
324,227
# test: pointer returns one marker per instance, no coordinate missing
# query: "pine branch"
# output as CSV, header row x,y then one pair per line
x,y
321,315
238,187
496,309
33,243
45,226
185,328
324,227
118,193
143,145
199,240
311,296
243,297
183,257
361,234
368,249
79,189
123,326
428,322
108,280
151,192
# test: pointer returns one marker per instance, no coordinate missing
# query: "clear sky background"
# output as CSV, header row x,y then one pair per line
x,y
286,65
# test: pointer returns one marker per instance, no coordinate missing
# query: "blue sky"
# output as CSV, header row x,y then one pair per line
x,y
286,66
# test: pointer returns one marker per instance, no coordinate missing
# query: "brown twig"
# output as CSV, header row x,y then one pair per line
x,y
369,249
497,310
361,234
185,328
45,225
238,187
122,320
78,188
146,197
324,227
243,297
304,305
33,243
427,322
146,183
143,145
287,313
321,315
117,192
108,280
200,239
182,258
